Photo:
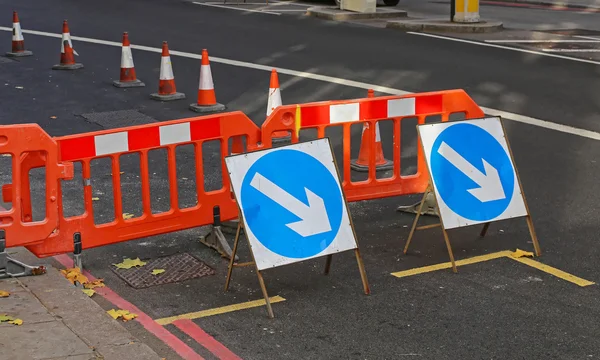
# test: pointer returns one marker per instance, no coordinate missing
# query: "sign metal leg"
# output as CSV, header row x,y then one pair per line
x,y
534,239
235,246
414,225
363,273
328,264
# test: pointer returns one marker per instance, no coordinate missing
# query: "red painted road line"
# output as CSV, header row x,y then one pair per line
x,y
157,330
204,339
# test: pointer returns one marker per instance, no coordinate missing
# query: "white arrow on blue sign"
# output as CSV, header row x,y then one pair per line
x,y
292,203
473,174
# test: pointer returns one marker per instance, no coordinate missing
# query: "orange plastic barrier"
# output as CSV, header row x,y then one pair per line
x,y
323,115
141,139
32,148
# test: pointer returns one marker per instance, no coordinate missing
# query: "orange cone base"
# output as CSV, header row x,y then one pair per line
x,y
19,53
207,109
356,166
128,84
167,97
67,66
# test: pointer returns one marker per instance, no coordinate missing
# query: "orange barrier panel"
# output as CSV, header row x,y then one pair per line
x,y
30,147
323,115
141,139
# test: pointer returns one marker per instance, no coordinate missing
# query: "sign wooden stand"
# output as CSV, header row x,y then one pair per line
x,y
261,281
430,189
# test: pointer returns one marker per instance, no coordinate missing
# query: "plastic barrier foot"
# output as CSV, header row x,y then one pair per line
x,y
10,267
77,251
128,84
19,54
216,240
389,165
206,109
67,67
429,207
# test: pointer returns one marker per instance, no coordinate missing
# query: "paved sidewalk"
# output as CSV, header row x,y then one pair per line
x,y
60,322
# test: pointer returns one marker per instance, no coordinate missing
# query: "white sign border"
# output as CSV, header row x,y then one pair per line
x,y
492,125
265,258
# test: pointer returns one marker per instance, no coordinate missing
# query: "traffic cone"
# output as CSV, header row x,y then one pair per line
x,y
166,85
207,100
362,163
127,78
67,60
273,102
18,43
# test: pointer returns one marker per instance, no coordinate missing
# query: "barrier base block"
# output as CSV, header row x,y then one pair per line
x,y
169,97
206,109
216,240
128,84
354,165
20,53
67,67
429,207
10,267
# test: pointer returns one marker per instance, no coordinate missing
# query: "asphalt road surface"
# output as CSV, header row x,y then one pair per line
x,y
496,309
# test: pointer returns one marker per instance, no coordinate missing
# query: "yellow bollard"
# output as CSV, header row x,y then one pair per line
x,y
465,11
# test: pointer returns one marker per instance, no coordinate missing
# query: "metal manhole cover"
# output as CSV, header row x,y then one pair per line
x,y
178,267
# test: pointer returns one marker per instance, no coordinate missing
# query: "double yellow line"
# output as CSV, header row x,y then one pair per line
x,y
501,254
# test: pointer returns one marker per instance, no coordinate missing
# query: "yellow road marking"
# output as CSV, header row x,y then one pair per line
x,y
219,310
476,259
448,265
554,271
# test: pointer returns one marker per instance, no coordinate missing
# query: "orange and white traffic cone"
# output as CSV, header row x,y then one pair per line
x,y
166,85
67,58
273,102
127,78
207,100
362,163
18,43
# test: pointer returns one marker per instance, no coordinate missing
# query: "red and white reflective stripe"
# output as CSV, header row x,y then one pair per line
x,y
274,100
173,134
166,71
17,33
317,114
74,147
206,81
126,58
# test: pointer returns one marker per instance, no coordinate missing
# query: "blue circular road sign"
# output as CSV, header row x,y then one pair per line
x,y
472,172
292,203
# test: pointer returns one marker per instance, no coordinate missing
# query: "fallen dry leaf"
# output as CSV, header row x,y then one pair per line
x,y
74,275
125,314
4,317
16,322
129,263
88,292
127,216
158,271
4,294
52,117
520,253
94,284
95,199
18,87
